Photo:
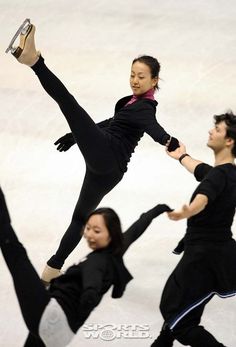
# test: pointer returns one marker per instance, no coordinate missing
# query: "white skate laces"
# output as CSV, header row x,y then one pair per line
x,y
24,28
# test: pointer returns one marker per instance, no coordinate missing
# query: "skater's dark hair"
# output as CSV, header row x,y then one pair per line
x,y
230,120
153,65
113,224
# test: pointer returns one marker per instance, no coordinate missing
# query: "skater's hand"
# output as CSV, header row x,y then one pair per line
x,y
196,206
184,212
161,208
65,142
172,144
177,152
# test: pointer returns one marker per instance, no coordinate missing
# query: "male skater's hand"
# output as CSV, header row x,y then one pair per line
x,y
176,154
184,212
65,142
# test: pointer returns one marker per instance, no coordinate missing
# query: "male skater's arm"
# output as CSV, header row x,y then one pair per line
x,y
185,159
196,206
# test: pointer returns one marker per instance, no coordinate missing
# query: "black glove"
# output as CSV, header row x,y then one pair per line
x,y
174,143
159,209
4,215
65,142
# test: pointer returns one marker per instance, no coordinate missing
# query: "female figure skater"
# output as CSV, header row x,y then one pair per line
x,y
107,146
53,316
208,263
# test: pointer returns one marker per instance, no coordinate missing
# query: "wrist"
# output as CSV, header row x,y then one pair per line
x,y
183,156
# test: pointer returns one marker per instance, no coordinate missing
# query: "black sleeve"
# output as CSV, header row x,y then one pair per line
x,y
157,132
145,117
138,227
151,126
213,184
201,171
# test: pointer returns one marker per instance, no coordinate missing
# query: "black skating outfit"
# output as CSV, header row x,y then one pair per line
x,y
80,289
207,267
106,148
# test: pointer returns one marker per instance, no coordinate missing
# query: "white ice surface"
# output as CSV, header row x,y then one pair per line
x,y
90,46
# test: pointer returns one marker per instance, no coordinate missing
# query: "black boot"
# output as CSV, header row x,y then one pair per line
x,y
165,339
198,337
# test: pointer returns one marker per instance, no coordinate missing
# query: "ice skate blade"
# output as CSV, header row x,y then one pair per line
x,y
25,26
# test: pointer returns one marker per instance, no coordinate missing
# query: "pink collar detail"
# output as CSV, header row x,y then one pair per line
x,y
148,95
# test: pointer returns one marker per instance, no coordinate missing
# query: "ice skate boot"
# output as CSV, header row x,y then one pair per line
x,y
26,52
48,274
165,339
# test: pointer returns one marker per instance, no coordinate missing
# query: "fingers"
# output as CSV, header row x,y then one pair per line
x,y
60,147
174,215
170,215
63,147
61,139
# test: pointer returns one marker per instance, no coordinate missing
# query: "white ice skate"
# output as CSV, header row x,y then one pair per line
x,y
24,29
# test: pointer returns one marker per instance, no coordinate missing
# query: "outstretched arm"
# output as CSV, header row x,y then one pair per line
x,y
185,159
138,227
196,206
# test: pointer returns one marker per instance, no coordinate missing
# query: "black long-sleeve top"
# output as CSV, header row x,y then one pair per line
x,y
81,288
129,124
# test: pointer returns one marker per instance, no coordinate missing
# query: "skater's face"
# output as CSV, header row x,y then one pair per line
x,y
141,79
217,138
96,232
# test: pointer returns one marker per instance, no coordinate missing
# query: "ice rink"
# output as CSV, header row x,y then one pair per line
x,y
90,46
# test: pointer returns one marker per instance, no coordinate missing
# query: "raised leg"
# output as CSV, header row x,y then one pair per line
x,y
93,143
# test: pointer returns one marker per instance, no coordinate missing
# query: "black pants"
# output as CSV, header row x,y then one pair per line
x,y
102,169
31,293
189,332
200,271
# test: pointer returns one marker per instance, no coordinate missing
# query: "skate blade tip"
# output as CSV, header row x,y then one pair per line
x,y
22,29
